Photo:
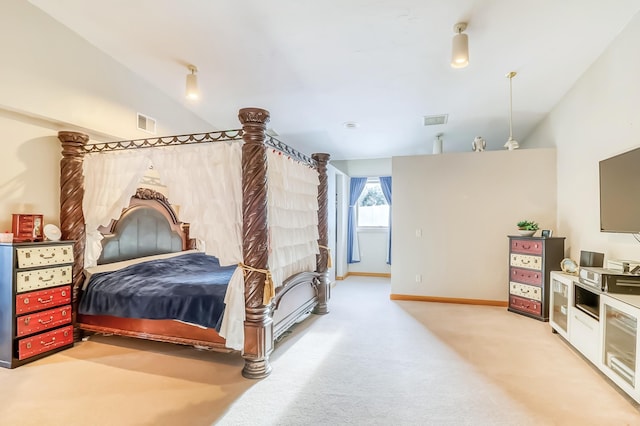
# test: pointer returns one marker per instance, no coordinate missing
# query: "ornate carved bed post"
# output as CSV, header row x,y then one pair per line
x,y
258,325
323,241
71,215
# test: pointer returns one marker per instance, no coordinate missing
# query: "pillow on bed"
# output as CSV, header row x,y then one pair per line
x,y
108,267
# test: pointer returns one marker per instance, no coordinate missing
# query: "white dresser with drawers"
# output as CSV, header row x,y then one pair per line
x,y
35,300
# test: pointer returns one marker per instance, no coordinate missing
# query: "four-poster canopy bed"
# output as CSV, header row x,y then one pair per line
x,y
266,311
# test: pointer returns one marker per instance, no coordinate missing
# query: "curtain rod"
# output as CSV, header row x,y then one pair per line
x,y
179,140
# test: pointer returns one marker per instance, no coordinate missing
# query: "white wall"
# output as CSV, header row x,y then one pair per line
x,y
373,242
598,118
365,168
332,218
50,72
52,80
465,205
30,161
373,252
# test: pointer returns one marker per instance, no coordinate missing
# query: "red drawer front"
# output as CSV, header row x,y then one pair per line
x,y
526,276
526,246
525,305
42,299
48,341
29,324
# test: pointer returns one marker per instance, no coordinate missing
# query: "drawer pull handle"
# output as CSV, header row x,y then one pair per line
x,y
46,279
52,342
63,293
40,300
47,257
27,320
46,322
526,247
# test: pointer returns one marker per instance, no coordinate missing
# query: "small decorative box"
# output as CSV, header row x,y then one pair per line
x,y
27,227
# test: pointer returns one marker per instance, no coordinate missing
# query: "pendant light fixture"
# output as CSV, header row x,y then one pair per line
x,y
192,83
511,143
437,144
460,46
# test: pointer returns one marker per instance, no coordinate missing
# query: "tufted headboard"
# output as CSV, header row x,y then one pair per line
x,y
149,226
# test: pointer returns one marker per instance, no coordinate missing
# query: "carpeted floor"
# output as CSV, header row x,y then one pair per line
x,y
371,361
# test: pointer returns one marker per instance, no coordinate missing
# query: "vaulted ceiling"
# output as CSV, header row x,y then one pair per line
x,y
316,65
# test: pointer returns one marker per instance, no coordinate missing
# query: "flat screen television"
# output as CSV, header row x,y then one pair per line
x,y
619,195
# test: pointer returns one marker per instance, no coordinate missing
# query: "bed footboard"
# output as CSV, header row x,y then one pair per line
x,y
294,300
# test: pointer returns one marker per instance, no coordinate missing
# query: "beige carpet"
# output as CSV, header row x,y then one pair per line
x,y
371,361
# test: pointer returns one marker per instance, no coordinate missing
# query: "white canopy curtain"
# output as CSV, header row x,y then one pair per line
x,y
110,179
293,216
205,180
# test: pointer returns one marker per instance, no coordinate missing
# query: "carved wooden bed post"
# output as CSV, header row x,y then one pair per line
x,y
323,241
258,325
71,215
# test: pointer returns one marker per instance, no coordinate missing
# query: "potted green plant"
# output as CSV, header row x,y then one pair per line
x,y
527,227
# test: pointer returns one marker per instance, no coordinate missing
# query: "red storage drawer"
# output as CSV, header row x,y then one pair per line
x,y
525,305
42,299
45,342
526,246
45,320
526,276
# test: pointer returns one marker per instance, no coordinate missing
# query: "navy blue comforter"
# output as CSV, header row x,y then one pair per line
x,y
190,288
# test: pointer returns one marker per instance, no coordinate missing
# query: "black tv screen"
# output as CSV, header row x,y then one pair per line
x,y
619,196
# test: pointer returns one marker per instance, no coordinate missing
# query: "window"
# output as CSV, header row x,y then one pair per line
x,y
373,209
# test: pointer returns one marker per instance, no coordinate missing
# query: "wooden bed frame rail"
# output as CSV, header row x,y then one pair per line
x,y
259,329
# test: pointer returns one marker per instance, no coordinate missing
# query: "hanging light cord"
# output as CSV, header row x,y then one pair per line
x,y
511,75
510,108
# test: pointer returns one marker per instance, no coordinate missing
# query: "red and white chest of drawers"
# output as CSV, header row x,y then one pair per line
x,y
35,300
531,259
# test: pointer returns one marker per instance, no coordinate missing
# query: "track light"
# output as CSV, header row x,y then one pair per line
x,y
192,83
460,46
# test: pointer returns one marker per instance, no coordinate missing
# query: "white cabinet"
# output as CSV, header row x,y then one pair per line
x,y
601,326
584,334
574,314
619,329
584,316
560,295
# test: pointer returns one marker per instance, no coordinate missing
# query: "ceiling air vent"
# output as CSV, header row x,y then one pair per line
x,y
433,120
146,124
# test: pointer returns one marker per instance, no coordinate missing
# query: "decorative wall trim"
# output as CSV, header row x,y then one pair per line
x,y
416,298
